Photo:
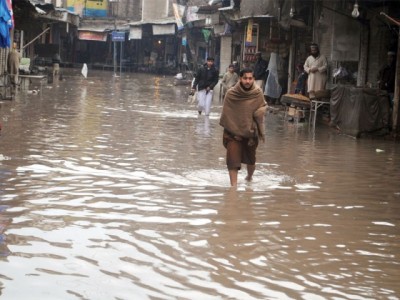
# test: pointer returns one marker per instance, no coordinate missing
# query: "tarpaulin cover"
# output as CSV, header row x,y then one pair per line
x,y
5,24
272,87
359,110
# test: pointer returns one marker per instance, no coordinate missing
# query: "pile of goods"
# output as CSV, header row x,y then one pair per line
x,y
296,100
298,97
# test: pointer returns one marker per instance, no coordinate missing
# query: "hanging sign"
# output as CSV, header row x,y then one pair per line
x,y
249,33
206,34
118,36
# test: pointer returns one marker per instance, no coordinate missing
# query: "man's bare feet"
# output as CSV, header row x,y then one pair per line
x,y
249,178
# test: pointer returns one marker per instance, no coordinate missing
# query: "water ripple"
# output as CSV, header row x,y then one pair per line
x,y
114,188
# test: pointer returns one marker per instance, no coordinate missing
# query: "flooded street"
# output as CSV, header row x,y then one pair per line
x,y
114,188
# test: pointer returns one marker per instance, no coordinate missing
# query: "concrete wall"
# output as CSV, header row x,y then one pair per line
x,y
130,10
226,53
259,7
379,44
323,30
155,9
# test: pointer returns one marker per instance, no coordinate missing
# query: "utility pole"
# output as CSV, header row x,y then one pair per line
x,y
115,50
114,11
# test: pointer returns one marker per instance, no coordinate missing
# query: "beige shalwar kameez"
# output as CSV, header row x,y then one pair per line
x,y
316,80
14,59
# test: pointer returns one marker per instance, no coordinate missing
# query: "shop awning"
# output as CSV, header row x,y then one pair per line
x,y
98,30
94,32
166,26
163,29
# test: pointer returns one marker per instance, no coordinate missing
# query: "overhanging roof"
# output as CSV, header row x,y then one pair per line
x,y
62,15
102,26
41,4
49,11
165,26
164,21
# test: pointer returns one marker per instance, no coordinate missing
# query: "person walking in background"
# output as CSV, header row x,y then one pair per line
x,y
387,75
205,80
316,66
56,64
260,70
242,118
229,79
14,59
236,67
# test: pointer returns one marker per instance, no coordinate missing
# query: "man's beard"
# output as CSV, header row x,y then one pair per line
x,y
315,55
245,88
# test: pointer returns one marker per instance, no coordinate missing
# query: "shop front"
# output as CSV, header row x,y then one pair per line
x,y
263,34
154,46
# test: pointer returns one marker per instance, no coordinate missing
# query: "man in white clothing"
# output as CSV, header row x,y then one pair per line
x,y
205,80
316,67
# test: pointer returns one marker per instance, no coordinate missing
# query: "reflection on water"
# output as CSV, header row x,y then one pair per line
x,y
114,188
4,222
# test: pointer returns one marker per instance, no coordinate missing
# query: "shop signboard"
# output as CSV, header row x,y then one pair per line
x,y
118,36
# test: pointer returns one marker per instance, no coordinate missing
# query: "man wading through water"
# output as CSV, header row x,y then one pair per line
x,y
243,115
205,81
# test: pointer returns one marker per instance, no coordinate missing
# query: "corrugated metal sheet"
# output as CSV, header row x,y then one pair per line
x,y
62,15
49,11
42,4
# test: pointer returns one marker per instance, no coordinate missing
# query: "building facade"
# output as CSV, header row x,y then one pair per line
x,y
162,35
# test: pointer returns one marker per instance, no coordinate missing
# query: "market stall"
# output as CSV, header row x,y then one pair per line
x,y
359,110
296,105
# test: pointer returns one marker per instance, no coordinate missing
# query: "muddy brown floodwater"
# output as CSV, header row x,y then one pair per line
x,y
114,188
